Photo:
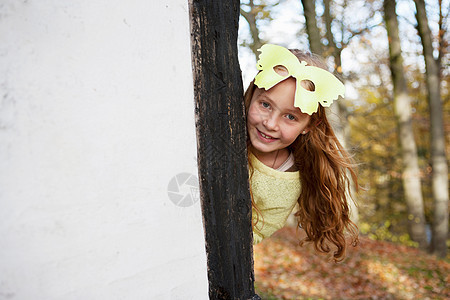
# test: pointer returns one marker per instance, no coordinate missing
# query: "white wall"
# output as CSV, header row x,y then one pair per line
x,y
96,118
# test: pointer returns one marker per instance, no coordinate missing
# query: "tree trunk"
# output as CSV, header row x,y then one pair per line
x,y
339,111
222,149
402,106
332,48
314,37
438,157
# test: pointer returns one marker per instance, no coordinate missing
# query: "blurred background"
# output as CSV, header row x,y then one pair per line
x,y
393,57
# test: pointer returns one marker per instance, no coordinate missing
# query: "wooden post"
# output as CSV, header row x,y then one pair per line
x,y
222,150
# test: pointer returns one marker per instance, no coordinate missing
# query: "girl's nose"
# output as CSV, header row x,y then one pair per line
x,y
270,122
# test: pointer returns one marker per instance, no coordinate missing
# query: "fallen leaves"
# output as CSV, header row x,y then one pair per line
x,y
373,270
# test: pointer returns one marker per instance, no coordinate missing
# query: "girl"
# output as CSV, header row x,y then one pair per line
x,y
294,155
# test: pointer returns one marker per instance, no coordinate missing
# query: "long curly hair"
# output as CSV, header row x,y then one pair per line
x,y
326,169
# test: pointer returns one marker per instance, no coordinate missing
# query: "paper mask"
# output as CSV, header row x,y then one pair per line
x,y
327,87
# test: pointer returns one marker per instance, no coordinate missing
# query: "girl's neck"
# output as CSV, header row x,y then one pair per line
x,y
272,159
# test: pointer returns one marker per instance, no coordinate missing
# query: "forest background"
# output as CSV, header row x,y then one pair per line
x,y
367,119
394,59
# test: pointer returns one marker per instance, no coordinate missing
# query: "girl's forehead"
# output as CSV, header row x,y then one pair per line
x,y
282,98
285,86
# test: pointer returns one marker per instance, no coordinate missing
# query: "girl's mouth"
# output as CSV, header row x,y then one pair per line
x,y
265,138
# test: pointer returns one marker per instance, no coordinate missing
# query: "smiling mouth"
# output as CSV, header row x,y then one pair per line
x,y
265,136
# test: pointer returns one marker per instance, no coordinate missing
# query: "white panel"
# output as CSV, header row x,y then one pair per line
x,y
96,118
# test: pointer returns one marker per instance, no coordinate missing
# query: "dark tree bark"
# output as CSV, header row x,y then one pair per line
x,y
222,149
402,104
438,156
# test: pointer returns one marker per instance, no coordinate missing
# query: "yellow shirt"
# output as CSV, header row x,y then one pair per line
x,y
275,194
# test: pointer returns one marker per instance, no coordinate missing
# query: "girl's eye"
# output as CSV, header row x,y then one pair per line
x,y
265,104
291,117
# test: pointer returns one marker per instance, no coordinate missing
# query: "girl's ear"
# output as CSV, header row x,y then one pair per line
x,y
310,126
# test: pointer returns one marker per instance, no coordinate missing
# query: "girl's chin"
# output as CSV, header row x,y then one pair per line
x,y
264,150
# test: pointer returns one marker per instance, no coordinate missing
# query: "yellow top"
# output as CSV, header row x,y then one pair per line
x,y
275,194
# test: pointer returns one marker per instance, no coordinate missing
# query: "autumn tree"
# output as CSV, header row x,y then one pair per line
x,y
338,112
438,156
314,36
402,108
339,116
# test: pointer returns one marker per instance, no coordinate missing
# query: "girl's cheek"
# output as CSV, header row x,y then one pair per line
x,y
250,118
253,113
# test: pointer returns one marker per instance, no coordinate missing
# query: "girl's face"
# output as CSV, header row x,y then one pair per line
x,y
273,123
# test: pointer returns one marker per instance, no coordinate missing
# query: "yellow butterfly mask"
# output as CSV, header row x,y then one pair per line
x,y
327,87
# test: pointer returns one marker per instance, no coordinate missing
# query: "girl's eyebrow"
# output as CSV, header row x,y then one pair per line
x,y
266,97
295,111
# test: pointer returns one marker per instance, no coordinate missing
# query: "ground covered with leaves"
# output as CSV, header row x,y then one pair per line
x,y
372,270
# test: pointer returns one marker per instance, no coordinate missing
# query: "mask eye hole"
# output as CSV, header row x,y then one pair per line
x,y
281,70
308,85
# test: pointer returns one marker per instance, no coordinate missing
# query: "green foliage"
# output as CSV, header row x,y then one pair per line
x,y
383,233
